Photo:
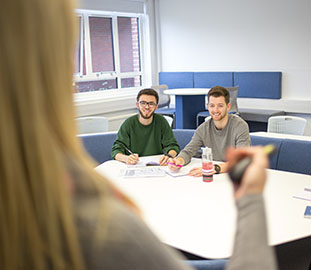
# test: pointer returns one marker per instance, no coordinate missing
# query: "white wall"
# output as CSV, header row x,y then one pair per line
x,y
241,35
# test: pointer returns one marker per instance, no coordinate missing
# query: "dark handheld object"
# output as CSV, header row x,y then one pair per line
x,y
166,154
237,172
152,163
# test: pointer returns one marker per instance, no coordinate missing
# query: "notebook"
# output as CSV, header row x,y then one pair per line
x,y
181,172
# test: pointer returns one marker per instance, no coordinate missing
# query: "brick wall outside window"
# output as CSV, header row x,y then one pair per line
x,y
102,53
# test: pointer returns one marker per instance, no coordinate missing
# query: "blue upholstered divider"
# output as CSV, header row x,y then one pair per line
x,y
260,140
176,79
258,84
208,264
183,136
211,79
295,156
99,145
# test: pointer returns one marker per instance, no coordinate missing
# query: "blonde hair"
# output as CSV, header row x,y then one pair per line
x,y
38,135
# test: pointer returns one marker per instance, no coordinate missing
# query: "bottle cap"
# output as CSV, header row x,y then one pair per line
x,y
206,150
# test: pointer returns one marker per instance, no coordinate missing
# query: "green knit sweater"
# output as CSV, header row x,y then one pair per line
x,y
145,140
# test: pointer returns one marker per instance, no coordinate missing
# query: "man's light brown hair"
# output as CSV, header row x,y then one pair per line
x,y
219,91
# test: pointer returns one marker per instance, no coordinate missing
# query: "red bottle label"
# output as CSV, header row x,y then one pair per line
x,y
207,171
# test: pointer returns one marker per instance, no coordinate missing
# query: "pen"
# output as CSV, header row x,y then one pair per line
x,y
237,172
170,163
128,150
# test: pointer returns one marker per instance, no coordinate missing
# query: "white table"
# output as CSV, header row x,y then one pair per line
x,y
200,217
188,103
187,91
281,136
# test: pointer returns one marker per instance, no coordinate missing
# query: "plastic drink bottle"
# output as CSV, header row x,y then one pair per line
x,y
207,164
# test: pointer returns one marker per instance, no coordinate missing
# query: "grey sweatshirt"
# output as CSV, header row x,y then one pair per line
x,y
235,134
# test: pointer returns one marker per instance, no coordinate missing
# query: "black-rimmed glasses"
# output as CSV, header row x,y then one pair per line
x,y
145,103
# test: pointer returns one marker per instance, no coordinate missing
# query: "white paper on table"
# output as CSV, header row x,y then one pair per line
x,y
304,195
136,172
144,161
181,172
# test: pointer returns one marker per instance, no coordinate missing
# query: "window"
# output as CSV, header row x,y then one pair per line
x,y
109,52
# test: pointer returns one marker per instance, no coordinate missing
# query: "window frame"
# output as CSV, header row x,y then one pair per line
x,y
117,74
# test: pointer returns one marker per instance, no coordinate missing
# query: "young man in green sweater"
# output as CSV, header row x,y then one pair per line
x,y
146,133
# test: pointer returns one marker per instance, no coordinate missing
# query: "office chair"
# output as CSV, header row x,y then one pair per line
x,y
164,101
287,124
92,124
169,120
233,91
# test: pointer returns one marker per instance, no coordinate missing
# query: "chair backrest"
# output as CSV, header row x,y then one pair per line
x,y
207,118
287,124
164,100
92,124
169,120
233,91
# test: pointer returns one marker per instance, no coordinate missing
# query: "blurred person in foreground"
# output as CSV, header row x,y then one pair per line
x,y
56,212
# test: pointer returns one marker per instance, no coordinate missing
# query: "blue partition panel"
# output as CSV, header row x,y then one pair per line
x,y
183,136
219,264
260,140
99,145
176,79
295,156
211,79
258,84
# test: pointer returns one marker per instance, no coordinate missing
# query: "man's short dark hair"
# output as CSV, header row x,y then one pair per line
x,y
219,91
149,92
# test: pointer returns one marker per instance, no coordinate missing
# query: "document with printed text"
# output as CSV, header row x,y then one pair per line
x,y
143,172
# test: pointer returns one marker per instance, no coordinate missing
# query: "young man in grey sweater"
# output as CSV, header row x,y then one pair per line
x,y
220,131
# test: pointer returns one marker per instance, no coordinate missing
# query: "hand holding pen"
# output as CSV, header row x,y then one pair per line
x,y
175,164
132,159
164,159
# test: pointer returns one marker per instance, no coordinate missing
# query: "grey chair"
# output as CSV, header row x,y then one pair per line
x,y
169,120
92,124
233,91
164,101
287,124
